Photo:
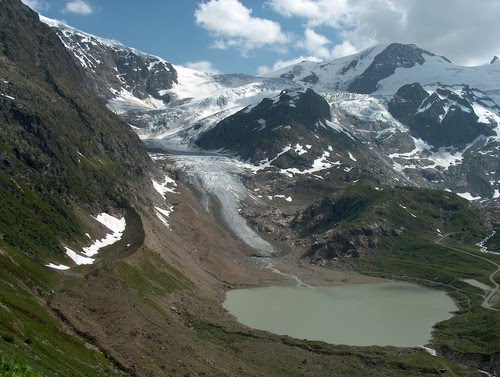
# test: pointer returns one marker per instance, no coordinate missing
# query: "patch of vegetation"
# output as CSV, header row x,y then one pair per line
x,y
153,275
12,368
420,211
29,331
34,222
472,330
212,332
493,243
338,360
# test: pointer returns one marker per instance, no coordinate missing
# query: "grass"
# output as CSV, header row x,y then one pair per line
x,y
151,274
29,330
336,360
34,222
17,368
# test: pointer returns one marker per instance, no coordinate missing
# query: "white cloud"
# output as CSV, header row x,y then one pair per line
x,y
279,64
316,44
36,5
78,7
202,65
343,49
234,26
316,12
466,31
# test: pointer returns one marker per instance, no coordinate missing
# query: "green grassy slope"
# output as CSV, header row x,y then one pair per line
x,y
60,148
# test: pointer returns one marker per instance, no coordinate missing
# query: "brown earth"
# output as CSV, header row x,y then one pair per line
x,y
155,307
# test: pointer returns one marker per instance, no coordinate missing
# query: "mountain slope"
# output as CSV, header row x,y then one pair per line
x,y
64,158
117,72
403,147
382,70
448,116
263,131
351,137
58,140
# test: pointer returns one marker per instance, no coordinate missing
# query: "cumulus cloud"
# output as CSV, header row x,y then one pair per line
x,y
279,64
316,44
233,26
36,5
78,7
316,12
343,49
319,46
466,31
202,65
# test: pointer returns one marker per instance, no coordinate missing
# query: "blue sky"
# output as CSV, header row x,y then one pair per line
x,y
251,36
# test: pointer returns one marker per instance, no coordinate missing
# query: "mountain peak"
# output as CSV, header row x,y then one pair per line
x,y
395,55
495,60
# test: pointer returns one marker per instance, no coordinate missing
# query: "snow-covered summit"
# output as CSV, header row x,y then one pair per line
x,y
383,69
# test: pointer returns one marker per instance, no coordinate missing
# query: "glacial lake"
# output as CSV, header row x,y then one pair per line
x,y
389,313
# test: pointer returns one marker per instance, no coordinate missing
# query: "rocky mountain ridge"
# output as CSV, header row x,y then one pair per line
x,y
116,71
383,69
200,101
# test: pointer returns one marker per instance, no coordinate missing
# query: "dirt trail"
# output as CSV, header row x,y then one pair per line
x,y
496,287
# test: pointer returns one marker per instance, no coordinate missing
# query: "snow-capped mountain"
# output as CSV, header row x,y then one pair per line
x,y
131,80
446,116
441,132
383,69
268,133
125,77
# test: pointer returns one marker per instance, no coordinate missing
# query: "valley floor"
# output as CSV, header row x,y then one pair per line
x,y
156,309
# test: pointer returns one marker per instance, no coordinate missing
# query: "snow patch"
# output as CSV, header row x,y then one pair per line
x,y
164,214
287,198
77,258
114,224
299,149
429,350
163,188
262,123
61,267
117,226
125,101
468,196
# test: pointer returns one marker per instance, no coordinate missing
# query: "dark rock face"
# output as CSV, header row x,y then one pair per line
x,y
324,215
384,65
262,132
55,134
320,221
443,118
288,76
111,67
490,363
495,60
311,79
